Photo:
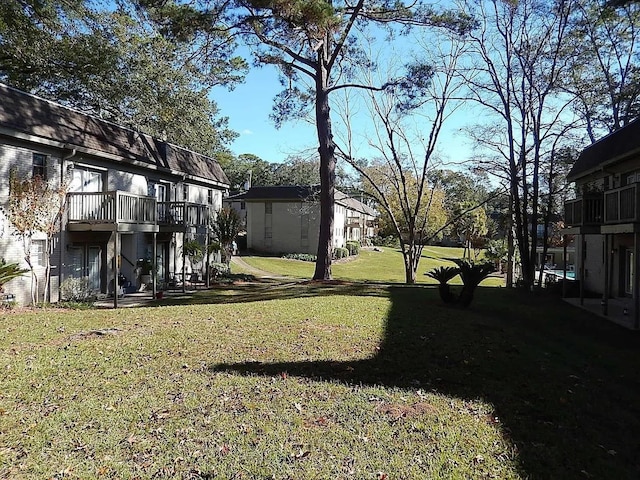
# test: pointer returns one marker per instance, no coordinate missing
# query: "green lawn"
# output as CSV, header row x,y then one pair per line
x,y
300,381
386,266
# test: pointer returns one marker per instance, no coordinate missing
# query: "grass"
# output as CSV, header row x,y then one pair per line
x,y
386,266
298,380
302,380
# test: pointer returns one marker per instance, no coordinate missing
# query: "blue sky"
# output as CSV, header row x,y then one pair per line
x,y
248,107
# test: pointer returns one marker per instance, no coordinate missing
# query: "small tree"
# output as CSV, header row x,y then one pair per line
x,y
36,206
443,275
194,251
225,227
471,274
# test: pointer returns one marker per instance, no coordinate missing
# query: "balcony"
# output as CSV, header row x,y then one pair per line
x,y
587,211
111,211
122,211
621,205
177,216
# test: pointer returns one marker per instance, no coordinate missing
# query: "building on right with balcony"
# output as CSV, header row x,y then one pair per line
x,y
605,220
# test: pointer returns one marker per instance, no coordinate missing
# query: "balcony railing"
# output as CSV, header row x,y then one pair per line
x,y
587,210
621,204
183,214
111,207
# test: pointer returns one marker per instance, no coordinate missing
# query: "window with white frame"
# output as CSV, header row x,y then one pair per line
x,y
268,208
210,196
39,164
185,192
38,248
85,180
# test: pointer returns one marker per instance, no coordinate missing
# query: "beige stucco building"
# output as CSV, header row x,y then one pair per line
x,y
286,219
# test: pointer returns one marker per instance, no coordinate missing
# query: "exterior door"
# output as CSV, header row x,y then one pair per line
x,y
85,261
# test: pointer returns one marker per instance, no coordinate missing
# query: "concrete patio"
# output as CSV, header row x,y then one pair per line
x,y
141,299
615,309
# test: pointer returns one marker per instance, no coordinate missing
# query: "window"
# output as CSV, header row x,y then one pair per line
x,y
39,165
268,208
210,196
268,232
85,180
38,248
185,193
243,206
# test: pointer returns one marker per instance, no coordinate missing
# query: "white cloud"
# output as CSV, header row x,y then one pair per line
x,y
246,132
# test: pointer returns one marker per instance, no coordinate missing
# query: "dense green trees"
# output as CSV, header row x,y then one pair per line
x,y
120,65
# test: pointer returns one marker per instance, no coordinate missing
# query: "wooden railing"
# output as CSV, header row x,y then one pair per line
x,y
621,204
586,210
183,214
111,207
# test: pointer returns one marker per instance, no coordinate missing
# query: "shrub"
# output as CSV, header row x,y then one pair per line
x,y
218,270
77,290
305,257
390,241
340,252
353,247
472,274
443,275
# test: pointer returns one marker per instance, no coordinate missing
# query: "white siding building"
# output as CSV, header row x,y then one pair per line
x,y
130,194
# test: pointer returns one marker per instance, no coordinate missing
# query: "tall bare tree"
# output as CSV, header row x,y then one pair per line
x,y
407,122
516,63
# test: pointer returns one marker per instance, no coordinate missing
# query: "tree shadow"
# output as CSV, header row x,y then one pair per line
x,y
565,384
258,290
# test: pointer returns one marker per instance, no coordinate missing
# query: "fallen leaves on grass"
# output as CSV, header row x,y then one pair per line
x,y
399,412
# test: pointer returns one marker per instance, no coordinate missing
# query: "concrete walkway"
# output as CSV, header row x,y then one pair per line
x,y
256,272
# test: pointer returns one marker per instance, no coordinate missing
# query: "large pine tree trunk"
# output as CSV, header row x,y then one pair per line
x,y
327,174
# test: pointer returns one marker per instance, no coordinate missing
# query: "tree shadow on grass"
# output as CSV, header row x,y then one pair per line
x,y
258,291
565,384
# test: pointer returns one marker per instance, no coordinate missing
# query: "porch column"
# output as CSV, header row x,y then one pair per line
x,y
154,265
564,266
184,265
206,249
583,249
636,284
116,270
605,290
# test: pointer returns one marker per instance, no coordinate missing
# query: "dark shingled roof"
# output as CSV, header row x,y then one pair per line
x,y
300,192
283,192
613,148
35,116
